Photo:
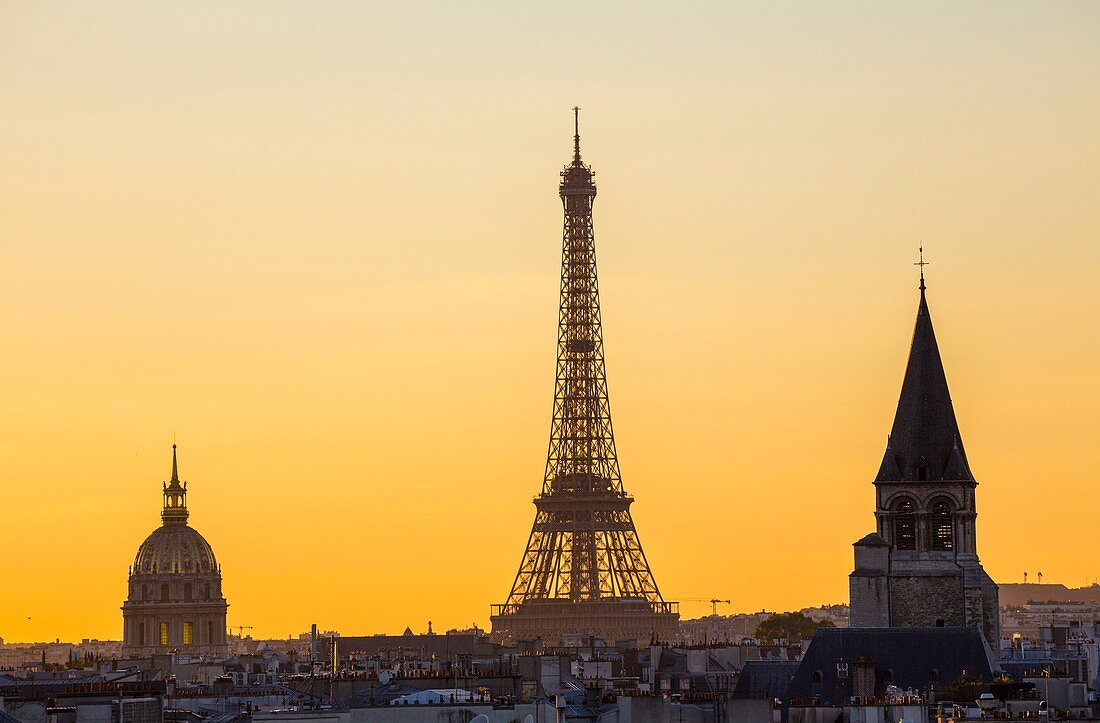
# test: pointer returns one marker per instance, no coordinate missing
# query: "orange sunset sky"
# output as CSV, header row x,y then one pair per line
x,y
319,243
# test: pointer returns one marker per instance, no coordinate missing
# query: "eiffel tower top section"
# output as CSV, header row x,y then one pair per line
x,y
576,178
582,458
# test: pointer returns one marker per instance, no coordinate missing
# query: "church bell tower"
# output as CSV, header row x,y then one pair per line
x,y
921,567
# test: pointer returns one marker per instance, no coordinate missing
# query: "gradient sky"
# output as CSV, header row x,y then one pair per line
x,y
319,242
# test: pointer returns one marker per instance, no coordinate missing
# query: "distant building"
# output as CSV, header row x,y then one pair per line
x,y
175,590
1033,621
721,628
1014,593
80,697
921,567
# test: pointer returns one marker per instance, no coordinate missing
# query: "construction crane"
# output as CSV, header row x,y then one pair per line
x,y
240,630
713,602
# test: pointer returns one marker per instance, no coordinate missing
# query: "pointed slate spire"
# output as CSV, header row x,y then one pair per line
x,y
925,443
175,468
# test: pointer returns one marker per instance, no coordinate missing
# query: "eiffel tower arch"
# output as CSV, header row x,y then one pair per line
x,y
583,570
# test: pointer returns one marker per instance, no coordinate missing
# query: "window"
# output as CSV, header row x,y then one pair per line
x,y
141,634
943,525
817,677
164,592
210,632
164,633
905,525
188,634
187,592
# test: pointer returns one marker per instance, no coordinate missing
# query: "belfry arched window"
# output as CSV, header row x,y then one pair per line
x,y
905,524
164,592
942,525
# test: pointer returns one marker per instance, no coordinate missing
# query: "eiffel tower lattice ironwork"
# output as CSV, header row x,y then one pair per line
x,y
583,570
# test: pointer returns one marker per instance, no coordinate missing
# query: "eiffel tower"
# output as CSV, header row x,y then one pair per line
x,y
584,571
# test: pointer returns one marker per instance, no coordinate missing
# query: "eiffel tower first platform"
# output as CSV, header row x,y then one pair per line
x,y
584,571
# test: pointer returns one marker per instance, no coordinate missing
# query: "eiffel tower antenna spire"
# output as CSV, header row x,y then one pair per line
x,y
583,569
576,135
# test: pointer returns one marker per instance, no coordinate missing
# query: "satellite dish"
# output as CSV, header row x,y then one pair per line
x,y
384,677
480,719
529,719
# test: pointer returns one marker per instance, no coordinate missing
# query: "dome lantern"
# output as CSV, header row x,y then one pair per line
x,y
175,497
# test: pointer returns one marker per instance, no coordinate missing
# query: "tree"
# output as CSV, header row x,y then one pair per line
x,y
792,627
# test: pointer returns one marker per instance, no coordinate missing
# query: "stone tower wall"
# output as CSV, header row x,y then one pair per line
x,y
870,600
925,600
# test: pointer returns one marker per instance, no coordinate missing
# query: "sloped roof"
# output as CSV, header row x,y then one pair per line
x,y
765,679
5,718
925,434
873,539
380,694
915,658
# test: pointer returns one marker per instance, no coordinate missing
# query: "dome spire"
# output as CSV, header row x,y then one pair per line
x,y
174,496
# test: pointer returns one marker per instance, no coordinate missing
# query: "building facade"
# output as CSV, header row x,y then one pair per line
x,y
174,599
921,567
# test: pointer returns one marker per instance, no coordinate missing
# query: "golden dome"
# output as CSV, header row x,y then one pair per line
x,y
175,549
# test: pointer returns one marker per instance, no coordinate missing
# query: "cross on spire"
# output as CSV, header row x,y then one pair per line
x,y
922,263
